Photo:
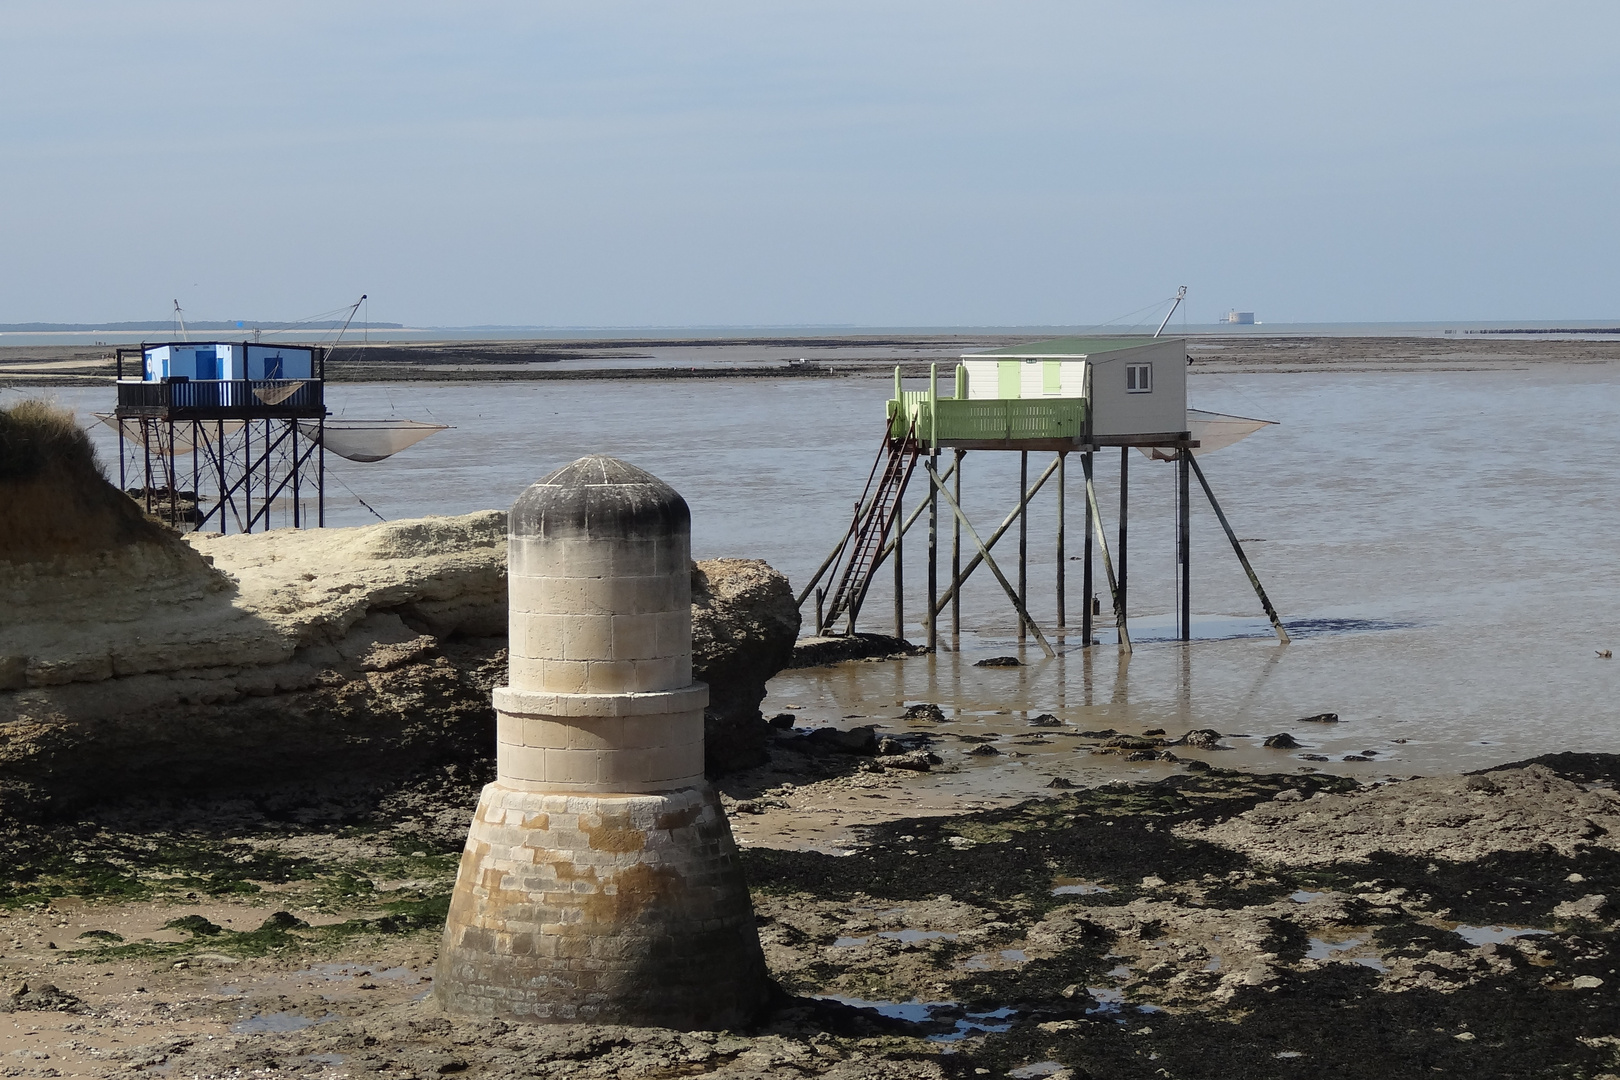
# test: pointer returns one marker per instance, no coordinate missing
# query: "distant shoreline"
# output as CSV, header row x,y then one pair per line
x,y
870,356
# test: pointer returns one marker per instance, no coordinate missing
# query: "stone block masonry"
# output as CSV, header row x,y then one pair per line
x,y
600,882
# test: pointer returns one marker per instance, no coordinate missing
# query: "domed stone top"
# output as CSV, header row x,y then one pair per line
x,y
600,498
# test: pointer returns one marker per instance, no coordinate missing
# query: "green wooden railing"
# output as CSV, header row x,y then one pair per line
x,y
943,421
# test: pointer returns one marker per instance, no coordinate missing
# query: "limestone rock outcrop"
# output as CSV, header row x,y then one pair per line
x,y
131,657
296,654
744,624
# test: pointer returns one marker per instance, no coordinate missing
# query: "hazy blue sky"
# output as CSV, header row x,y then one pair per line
x,y
917,163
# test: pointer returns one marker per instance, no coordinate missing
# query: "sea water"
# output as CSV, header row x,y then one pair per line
x,y
1444,545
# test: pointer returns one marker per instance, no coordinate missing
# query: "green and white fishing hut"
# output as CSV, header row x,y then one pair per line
x,y
1066,394
1062,396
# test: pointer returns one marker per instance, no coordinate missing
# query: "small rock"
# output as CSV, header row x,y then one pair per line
x,y
1152,882
916,761
783,721
1320,718
1464,1036
46,998
1046,719
1061,782
1288,795
929,712
1586,982
984,750
1282,741
1573,879
1313,757
889,745
1355,757
1132,742
1591,906
196,925
1154,731
856,740
1000,661
1203,739
284,921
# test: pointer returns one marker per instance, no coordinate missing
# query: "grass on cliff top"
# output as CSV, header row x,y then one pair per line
x,y
54,497
34,434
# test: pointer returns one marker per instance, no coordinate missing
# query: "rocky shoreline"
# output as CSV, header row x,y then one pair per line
x,y
1213,924
236,775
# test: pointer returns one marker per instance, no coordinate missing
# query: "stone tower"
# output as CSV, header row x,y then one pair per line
x,y
600,882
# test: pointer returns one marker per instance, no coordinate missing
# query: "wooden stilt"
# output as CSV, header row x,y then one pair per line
x,y
899,586
1124,520
956,554
933,556
984,553
1001,530
1254,579
1085,573
1062,605
1184,540
1023,535
1108,565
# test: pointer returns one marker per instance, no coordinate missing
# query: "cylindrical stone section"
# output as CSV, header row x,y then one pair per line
x,y
600,882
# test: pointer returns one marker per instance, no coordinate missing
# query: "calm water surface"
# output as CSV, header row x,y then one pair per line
x,y
1445,544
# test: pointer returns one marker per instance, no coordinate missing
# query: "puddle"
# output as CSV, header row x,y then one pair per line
x,y
895,935
1214,964
1123,971
1324,950
1071,887
333,972
982,961
1035,1070
276,1023
1495,935
1111,1002
965,1024
1304,896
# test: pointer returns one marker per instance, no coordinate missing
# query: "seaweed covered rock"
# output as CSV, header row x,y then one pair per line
x,y
744,624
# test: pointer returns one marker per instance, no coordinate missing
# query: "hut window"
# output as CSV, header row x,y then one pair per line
x,y
1138,378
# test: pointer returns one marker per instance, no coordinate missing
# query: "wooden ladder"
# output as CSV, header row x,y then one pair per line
x,y
875,516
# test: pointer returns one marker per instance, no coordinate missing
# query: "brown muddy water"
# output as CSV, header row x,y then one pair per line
x,y
1442,544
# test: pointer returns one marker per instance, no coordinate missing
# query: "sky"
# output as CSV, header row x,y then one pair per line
x,y
939,163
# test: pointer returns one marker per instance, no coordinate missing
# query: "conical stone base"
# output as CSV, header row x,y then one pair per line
x,y
612,909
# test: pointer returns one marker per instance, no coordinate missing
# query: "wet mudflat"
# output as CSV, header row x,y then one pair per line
x,y
1207,924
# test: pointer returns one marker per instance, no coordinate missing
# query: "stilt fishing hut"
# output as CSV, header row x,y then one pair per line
x,y
1069,395
251,418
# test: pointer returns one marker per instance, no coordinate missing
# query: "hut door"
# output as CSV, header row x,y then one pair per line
x,y
1009,377
207,364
